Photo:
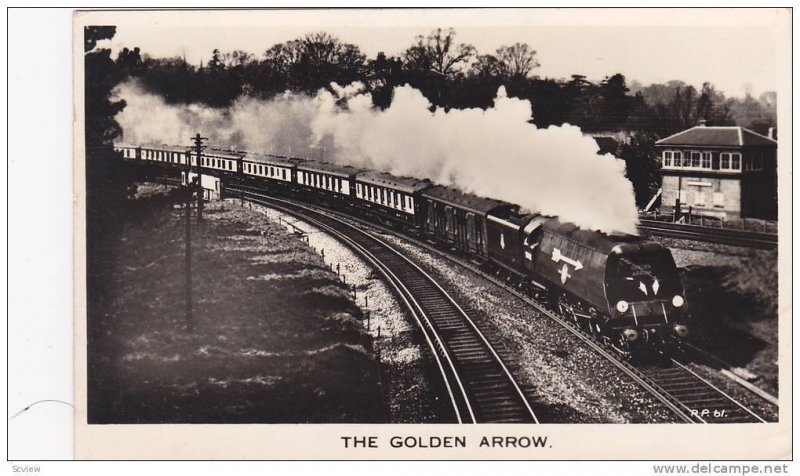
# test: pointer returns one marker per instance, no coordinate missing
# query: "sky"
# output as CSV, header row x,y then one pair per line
x,y
735,52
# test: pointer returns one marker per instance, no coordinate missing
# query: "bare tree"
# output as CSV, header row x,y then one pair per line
x,y
518,60
438,53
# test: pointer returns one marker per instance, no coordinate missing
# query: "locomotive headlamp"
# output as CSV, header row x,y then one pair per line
x,y
681,330
677,301
622,306
630,334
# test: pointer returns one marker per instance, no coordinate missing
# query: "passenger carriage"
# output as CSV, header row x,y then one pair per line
x,y
167,156
391,199
459,218
128,151
273,173
326,183
218,160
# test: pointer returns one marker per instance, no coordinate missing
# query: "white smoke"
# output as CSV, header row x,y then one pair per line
x,y
279,126
493,153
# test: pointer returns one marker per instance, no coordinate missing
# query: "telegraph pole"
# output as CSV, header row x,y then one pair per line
x,y
198,147
192,187
188,263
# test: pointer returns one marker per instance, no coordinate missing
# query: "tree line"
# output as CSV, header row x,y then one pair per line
x,y
449,73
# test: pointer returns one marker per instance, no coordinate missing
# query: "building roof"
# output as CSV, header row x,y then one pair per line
x,y
328,168
456,198
403,184
717,136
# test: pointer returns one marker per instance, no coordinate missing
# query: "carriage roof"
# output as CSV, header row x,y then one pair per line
x,y
403,184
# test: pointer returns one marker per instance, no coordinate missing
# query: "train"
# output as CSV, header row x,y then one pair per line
x,y
622,288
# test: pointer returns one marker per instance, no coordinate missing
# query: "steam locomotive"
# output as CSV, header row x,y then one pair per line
x,y
622,288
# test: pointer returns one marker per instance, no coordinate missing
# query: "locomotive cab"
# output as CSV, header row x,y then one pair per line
x,y
646,300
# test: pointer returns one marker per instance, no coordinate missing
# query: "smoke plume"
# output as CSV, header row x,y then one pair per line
x,y
494,153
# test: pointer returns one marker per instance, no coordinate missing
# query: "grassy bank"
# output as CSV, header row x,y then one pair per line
x,y
274,336
733,295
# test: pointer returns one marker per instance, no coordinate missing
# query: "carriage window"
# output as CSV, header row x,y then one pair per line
x,y
391,198
283,174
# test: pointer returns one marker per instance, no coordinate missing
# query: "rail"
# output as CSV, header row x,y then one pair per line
x,y
479,384
726,236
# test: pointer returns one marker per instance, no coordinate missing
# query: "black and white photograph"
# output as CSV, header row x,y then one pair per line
x,y
444,217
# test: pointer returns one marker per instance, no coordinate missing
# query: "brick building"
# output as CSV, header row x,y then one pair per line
x,y
724,172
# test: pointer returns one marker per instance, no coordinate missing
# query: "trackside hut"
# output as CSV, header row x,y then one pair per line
x,y
724,172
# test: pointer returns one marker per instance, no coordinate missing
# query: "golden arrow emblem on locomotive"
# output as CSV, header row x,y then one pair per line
x,y
557,257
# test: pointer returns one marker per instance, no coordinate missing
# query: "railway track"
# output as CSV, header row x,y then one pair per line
x,y
725,236
685,393
479,384
699,399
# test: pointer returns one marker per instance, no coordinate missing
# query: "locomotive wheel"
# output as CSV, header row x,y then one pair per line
x,y
623,346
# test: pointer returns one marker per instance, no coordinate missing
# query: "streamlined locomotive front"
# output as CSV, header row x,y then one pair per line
x,y
646,300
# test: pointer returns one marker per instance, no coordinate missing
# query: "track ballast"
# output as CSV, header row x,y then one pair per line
x,y
479,384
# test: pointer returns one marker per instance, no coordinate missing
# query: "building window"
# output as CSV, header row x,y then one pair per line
x,y
706,160
667,160
725,161
677,157
695,159
736,161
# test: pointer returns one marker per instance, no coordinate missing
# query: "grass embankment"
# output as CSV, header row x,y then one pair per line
x,y
274,336
733,299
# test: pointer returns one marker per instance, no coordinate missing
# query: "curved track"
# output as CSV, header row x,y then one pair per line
x,y
480,386
689,396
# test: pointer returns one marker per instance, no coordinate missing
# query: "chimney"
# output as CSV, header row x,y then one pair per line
x,y
701,123
773,133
